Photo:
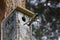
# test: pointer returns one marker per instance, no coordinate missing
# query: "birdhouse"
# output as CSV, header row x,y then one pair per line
x,y
14,26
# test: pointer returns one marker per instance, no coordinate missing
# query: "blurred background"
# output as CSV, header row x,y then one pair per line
x,y
47,24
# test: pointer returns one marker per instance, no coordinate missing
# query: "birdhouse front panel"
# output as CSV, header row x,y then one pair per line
x,y
23,28
14,26
9,30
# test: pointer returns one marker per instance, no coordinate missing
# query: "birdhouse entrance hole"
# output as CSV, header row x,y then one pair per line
x,y
23,18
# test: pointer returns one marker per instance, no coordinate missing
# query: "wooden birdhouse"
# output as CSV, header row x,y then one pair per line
x,y
14,26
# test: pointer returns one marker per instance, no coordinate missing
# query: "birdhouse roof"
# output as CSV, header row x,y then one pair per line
x,y
25,11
